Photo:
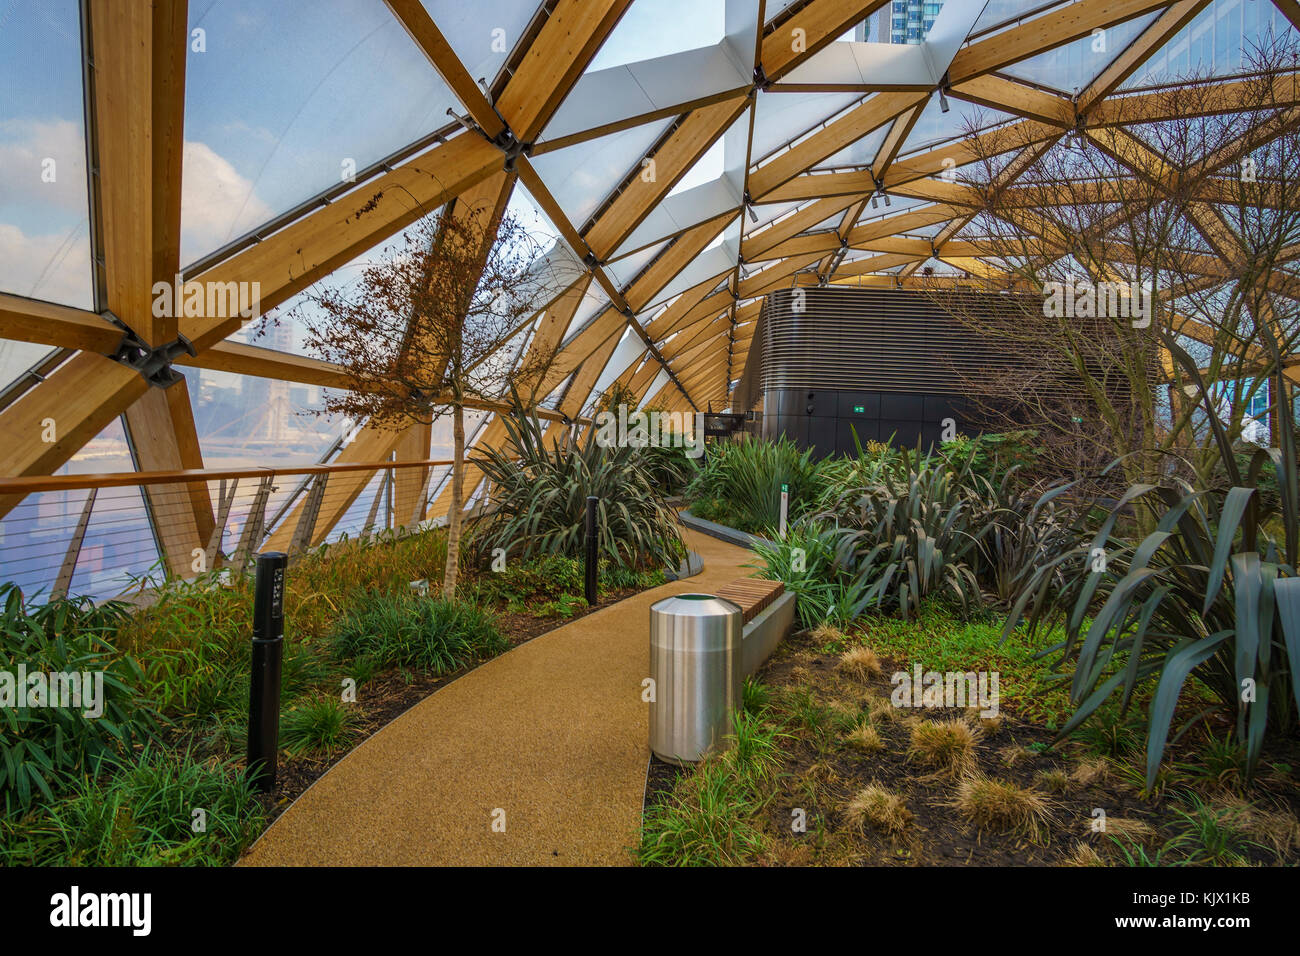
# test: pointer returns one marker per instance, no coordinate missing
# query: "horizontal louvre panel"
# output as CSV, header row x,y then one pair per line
x,y
881,339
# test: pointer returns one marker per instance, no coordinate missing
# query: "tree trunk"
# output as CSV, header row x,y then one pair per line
x,y
454,514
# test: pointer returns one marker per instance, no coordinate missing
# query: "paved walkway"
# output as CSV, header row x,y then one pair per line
x,y
553,733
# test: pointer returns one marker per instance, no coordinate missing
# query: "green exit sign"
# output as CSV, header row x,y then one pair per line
x,y
859,409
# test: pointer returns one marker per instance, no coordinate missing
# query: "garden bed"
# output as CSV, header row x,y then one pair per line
x,y
935,786
360,648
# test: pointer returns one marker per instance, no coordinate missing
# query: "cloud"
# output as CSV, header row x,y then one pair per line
x,y
217,204
26,148
51,267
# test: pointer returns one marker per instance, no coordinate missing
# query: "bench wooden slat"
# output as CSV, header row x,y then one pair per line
x,y
752,595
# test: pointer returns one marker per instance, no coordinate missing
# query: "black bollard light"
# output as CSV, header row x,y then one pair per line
x,y
264,685
591,564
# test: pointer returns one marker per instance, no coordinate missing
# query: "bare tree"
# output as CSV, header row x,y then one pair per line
x,y
1156,244
439,320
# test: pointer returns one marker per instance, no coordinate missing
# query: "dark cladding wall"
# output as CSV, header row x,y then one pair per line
x,y
836,416
878,362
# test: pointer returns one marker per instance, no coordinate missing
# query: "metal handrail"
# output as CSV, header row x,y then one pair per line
x,y
31,484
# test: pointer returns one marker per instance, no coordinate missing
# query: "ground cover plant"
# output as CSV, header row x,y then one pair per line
x,y
843,776
361,646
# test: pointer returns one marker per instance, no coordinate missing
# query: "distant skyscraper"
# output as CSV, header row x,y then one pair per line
x,y
901,21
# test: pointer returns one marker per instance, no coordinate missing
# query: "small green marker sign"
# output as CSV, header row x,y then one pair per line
x,y
859,409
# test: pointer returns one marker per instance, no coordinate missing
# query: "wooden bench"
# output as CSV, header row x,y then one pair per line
x,y
752,595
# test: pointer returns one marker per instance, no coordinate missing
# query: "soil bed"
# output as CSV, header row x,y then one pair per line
x,y
821,772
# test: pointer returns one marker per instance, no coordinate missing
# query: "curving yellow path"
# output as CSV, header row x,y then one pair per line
x,y
553,733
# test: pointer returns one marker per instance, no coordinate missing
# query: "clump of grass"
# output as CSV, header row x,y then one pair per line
x,y
755,751
1220,762
1014,754
881,710
1215,836
948,746
1084,855
1110,734
879,807
865,739
163,810
1092,772
1054,780
843,715
319,723
860,663
706,821
756,695
827,635
407,630
1000,805
1275,828
1128,829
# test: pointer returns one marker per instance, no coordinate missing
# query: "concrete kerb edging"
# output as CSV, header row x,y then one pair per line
x,y
720,531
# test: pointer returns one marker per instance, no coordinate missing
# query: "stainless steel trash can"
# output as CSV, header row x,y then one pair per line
x,y
695,662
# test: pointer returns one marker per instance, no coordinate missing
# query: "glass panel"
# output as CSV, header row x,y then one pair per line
x,y
706,169
286,99
935,126
624,270
482,33
17,357
284,328
44,225
1213,43
998,13
1071,67
353,521
657,29
244,421
860,153
119,543
119,546
581,177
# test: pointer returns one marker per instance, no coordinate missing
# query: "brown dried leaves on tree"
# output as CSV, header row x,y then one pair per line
x,y
1198,205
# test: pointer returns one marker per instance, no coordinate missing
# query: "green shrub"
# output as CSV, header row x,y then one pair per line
x,y
742,480
1205,593
914,533
143,815
804,561
710,817
45,748
1023,531
554,580
995,455
706,821
321,723
539,495
407,630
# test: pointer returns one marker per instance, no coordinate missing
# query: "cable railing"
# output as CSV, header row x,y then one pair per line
x,y
104,535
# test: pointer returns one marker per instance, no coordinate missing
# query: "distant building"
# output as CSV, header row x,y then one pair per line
x,y
902,21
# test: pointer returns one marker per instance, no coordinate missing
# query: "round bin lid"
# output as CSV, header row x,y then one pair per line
x,y
695,605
